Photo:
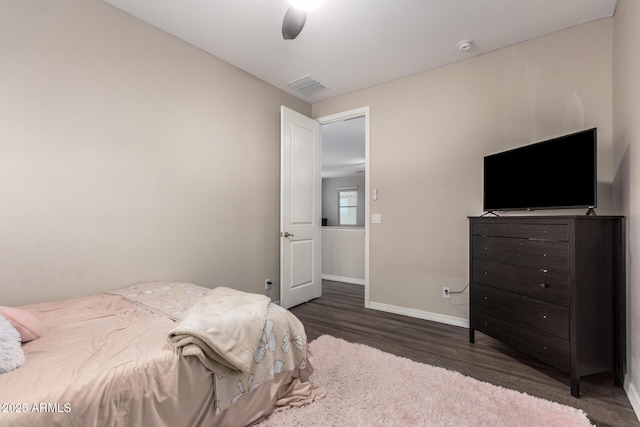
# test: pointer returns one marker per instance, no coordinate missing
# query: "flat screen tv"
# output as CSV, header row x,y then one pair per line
x,y
558,173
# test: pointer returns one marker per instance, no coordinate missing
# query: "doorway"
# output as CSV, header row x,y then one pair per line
x,y
346,189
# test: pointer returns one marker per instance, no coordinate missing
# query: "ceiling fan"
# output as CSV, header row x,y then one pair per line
x,y
296,17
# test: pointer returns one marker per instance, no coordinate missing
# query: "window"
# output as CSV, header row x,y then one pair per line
x,y
348,206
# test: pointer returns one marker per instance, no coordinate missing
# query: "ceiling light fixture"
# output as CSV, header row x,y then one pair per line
x,y
306,5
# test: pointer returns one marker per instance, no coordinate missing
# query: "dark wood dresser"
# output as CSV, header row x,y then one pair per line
x,y
553,288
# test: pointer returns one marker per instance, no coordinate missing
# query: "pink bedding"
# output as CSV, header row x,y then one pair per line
x,y
105,361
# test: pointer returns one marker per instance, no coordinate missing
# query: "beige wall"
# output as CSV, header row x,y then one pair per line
x,y
430,131
343,254
626,112
127,155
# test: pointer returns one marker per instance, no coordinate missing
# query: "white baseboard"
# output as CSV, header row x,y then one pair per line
x,y
420,314
633,395
342,279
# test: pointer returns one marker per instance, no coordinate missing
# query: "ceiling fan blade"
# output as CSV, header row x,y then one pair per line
x,y
293,23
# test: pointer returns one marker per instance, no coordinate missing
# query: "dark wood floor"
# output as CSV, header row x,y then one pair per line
x,y
340,312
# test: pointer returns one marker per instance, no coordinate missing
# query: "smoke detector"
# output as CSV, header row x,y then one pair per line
x,y
464,45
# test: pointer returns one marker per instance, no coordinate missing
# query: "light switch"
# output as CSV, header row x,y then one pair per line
x,y
376,218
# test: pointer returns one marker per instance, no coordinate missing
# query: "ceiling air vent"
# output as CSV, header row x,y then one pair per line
x,y
307,85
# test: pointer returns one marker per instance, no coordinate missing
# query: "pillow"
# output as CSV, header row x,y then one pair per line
x,y
11,354
27,325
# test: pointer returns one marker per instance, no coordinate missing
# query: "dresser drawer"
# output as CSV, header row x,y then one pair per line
x,y
527,312
532,282
544,347
523,231
540,254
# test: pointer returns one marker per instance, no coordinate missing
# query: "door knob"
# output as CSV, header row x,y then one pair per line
x,y
287,234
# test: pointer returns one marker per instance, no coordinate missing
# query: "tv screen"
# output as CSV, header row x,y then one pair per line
x,y
553,174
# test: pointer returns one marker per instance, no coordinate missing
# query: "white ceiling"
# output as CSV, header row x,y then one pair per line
x,y
343,148
353,44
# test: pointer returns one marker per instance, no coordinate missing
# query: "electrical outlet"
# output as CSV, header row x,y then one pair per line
x,y
446,292
267,284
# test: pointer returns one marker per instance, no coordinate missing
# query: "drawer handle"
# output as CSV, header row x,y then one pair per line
x,y
486,298
546,348
544,270
544,316
544,285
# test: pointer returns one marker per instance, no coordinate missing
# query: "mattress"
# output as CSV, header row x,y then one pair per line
x,y
104,360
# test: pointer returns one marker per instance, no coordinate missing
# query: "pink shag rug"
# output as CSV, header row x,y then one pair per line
x,y
368,387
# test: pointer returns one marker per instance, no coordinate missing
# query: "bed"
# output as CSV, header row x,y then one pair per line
x,y
118,359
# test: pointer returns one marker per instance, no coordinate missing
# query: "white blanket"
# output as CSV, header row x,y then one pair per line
x,y
223,329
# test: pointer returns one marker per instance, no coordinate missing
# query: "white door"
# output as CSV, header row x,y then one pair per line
x,y
300,208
